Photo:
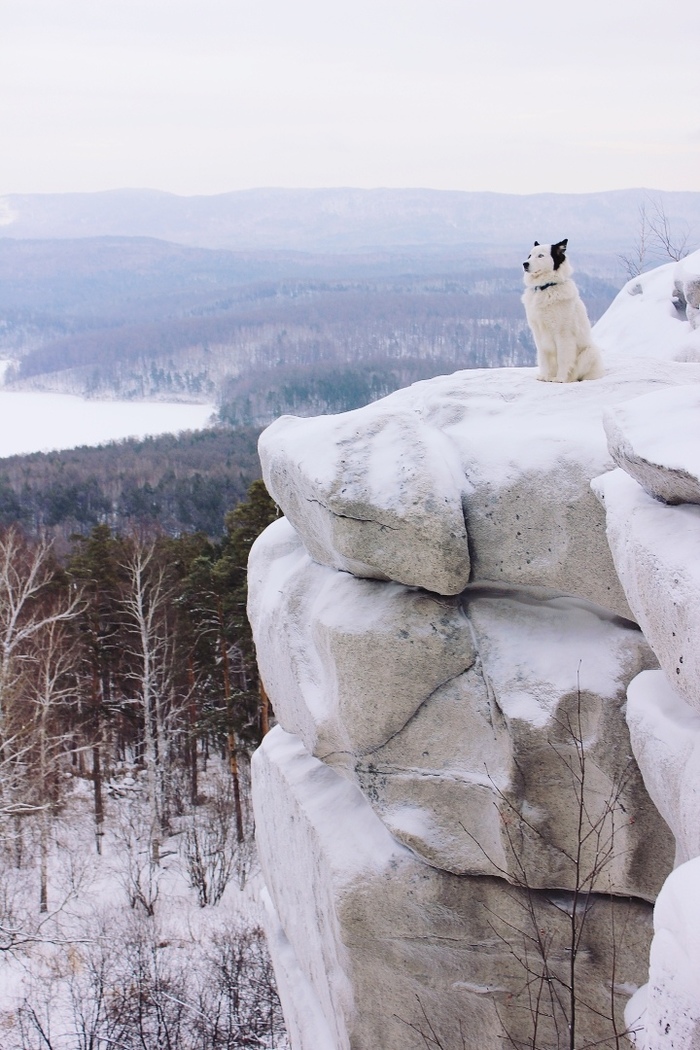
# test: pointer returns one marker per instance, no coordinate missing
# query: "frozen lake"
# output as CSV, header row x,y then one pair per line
x,y
35,422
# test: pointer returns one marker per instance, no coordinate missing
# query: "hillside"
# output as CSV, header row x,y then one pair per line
x,y
258,333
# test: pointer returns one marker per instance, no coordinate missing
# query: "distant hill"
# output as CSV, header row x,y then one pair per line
x,y
272,300
139,318
343,220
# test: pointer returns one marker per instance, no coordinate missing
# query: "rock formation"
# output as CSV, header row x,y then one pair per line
x,y
458,847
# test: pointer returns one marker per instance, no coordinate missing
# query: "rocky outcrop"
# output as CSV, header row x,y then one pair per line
x,y
686,282
448,626
395,949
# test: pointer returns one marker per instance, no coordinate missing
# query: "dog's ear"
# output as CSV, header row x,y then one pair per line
x,y
559,253
537,244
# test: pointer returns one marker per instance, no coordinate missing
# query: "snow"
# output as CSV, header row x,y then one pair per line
x,y
669,1006
643,320
664,427
40,422
93,923
665,734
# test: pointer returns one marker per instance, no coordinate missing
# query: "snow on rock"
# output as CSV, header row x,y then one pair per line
x,y
497,756
375,493
648,317
666,1013
686,281
665,735
656,439
346,662
656,549
385,947
385,491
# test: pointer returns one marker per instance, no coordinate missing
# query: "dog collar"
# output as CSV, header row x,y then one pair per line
x,y
541,287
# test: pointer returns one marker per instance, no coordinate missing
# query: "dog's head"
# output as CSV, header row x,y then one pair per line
x,y
545,261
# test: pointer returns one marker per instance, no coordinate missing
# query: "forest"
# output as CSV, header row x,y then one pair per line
x,y
176,483
129,706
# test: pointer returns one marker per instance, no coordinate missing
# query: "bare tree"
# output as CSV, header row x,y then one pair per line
x,y
147,604
657,238
211,847
26,574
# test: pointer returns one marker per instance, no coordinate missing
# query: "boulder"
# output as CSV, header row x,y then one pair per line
x,y
656,440
345,661
500,768
376,493
656,550
387,950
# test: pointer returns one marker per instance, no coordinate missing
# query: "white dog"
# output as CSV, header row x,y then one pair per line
x,y
558,319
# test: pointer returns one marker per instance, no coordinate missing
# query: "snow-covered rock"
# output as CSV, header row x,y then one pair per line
x,y
347,662
656,439
665,735
445,622
665,1014
376,493
386,491
656,549
496,769
383,947
686,280
649,319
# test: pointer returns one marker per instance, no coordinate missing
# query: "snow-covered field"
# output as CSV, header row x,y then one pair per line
x,y
38,422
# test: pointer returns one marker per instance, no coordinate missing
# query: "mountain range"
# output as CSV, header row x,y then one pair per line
x,y
344,219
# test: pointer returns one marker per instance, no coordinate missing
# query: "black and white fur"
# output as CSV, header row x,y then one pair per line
x,y
557,317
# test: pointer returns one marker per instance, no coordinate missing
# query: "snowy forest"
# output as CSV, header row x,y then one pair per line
x,y
129,705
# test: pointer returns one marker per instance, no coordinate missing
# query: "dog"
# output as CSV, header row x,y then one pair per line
x,y
557,317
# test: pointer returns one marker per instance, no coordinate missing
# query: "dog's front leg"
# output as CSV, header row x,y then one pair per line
x,y
546,359
566,360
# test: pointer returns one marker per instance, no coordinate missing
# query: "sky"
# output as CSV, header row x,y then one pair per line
x,y
208,96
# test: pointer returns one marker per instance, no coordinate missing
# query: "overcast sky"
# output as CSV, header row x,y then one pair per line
x,y
205,96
